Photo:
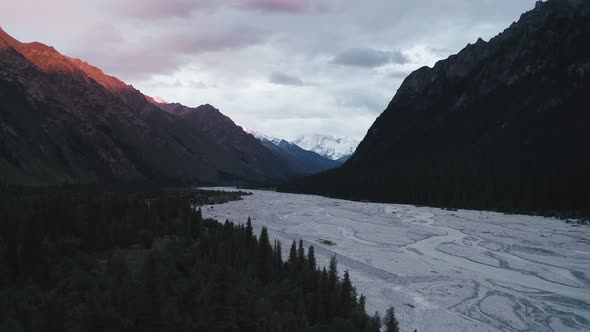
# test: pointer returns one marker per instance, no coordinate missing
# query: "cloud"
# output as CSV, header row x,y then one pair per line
x,y
214,40
280,78
156,9
176,48
285,6
369,58
398,74
440,50
132,65
361,101
99,33
166,53
184,9
177,84
196,85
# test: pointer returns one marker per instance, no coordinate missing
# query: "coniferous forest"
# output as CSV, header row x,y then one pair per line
x,y
76,260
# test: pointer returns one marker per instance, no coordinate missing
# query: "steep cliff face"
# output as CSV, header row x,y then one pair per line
x,y
502,124
65,121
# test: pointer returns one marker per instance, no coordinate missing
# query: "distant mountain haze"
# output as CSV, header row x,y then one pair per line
x,y
502,124
65,121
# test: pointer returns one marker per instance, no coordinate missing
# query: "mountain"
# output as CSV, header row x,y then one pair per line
x,y
299,160
156,100
335,148
503,125
63,120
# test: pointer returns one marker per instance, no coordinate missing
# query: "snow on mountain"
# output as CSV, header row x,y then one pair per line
x,y
334,148
299,160
262,137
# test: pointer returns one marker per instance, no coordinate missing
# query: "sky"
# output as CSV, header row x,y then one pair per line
x,y
284,68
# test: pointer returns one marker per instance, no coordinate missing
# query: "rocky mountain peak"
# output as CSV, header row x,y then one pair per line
x,y
8,39
66,121
331,147
464,63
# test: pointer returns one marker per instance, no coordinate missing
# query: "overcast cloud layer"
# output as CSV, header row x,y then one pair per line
x,y
281,67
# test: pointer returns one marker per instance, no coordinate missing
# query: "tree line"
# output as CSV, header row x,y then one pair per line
x,y
149,261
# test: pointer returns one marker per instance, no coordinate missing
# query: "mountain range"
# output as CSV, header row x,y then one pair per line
x,y
300,161
335,148
501,125
63,120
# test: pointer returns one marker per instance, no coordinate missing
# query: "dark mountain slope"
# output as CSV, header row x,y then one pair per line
x,y
64,121
44,119
241,156
501,125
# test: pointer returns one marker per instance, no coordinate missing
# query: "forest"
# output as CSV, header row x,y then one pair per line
x,y
117,260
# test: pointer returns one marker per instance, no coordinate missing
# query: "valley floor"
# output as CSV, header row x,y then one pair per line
x,y
442,270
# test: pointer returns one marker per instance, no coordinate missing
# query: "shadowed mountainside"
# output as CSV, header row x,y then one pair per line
x,y
65,121
501,125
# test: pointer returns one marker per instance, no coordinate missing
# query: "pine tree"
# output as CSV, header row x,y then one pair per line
x,y
375,323
325,310
390,322
293,257
362,302
264,242
311,260
347,294
333,271
278,253
264,255
300,255
249,229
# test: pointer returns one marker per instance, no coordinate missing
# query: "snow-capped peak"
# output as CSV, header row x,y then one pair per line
x,y
328,146
263,137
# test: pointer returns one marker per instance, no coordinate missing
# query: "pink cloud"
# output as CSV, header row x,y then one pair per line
x,y
288,6
165,53
158,9
215,40
94,33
